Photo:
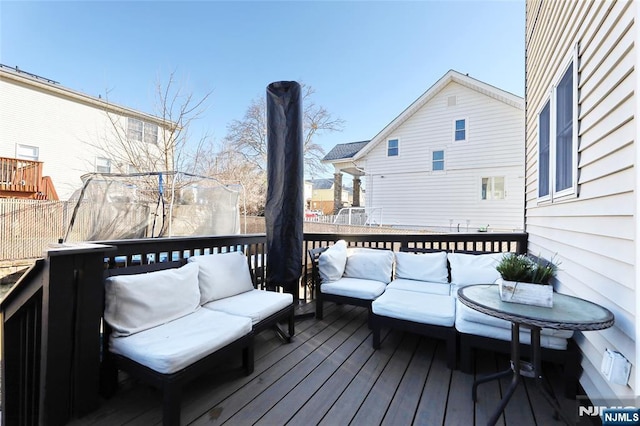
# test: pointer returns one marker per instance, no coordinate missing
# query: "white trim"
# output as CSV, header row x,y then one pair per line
x,y
572,190
544,198
32,148
637,184
397,148
490,189
451,76
444,160
107,163
466,130
75,96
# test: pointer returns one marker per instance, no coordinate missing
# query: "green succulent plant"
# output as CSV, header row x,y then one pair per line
x,y
524,268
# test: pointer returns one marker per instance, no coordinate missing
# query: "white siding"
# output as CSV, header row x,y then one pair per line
x,y
410,193
593,234
66,130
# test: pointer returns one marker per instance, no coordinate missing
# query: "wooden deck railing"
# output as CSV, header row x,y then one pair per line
x,y
23,179
20,175
51,320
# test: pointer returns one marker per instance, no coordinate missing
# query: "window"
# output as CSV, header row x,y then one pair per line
x,y
392,148
437,160
27,152
138,130
151,133
134,129
543,151
557,138
103,165
492,188
564,131
460,132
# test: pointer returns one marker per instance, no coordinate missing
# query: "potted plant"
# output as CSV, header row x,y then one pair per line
x,y
526,280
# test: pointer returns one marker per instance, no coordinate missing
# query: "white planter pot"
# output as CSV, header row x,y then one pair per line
x,y
526,293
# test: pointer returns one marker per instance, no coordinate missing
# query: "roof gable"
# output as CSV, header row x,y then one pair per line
x,y
450,76
344,150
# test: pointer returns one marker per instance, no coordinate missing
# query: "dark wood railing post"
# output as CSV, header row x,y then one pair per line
x,y
72,310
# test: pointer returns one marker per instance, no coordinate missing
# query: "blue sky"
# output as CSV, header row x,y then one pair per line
x,y
366,60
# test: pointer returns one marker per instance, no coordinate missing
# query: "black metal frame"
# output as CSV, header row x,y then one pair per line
x,y
328,297
448,334
171,384
569,358
519,369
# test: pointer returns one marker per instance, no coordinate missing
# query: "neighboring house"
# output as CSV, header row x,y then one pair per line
x,y
583,105
323,194
454,159
70,133
341,156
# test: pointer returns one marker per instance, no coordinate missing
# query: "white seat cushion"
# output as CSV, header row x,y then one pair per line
x,y
369,264
430,267
134,303
332,261
255,304
354,287
423,308
175,345
469,269
420,286
471,321
222,275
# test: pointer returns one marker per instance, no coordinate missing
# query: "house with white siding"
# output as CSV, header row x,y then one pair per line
x,y
453,160
71,133
582,156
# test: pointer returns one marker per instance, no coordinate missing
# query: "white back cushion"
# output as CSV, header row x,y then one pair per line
x,y
469,269
369,264
139,302
222,275
430,267
332,262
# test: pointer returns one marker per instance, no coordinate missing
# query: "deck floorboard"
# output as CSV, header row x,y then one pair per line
x,y
329,374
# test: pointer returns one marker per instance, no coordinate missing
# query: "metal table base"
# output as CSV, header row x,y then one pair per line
x,y
519,369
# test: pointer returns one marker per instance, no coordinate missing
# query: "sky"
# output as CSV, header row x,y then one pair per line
x,y
366,60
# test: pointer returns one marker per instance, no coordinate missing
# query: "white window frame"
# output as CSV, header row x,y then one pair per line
x,y
107,163
572,190
397,147
547,196
490,188
22,147
466,129
444,160
148,132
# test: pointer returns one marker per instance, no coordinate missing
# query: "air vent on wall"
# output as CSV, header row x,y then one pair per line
x,y
451,101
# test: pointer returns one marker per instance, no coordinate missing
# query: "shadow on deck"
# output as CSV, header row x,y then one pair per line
x,y
330,374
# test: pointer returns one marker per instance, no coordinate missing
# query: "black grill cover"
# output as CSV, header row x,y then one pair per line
x,y
284,209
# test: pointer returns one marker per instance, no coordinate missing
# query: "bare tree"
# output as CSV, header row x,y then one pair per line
x,y
158,148
230,166
249,135
151,143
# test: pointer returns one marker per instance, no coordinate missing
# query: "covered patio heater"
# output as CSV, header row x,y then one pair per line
x,y
285,186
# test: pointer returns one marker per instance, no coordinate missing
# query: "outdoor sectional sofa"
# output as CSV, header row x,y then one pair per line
x,y
167,323
420,296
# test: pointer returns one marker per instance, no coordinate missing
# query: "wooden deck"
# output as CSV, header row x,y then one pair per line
x,y
330,375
